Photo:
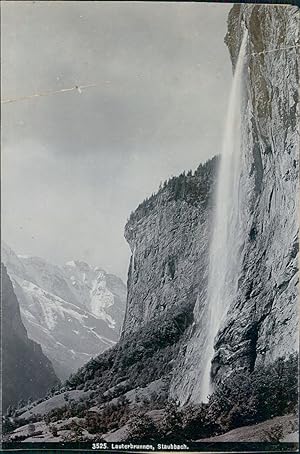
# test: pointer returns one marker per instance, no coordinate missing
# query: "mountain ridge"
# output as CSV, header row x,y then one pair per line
x,y
60,303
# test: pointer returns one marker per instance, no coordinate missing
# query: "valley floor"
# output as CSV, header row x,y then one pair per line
x,y
278,429
281,428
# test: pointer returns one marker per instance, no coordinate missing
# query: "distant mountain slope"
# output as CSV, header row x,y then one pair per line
x,y
74,311
26,372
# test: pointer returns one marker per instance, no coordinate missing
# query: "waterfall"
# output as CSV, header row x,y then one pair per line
x,y
225,242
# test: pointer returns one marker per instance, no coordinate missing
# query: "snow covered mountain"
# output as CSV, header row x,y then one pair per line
x,y
73,311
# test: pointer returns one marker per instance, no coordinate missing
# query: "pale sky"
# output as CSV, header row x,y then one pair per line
x,y
75,165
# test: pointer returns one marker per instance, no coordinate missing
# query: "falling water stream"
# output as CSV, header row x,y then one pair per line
x,y
225,242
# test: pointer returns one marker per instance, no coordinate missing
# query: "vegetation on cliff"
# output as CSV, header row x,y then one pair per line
x,y
139,358
194,188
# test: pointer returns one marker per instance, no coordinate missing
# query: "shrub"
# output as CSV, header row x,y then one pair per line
x,y
56,414
142,428
93,423
171,427
111,417
197,422
53,431
7,425
244,398
275,433
31,429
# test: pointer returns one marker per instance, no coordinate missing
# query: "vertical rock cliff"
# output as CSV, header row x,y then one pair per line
x,y
262,322
26,371
268,293
168,235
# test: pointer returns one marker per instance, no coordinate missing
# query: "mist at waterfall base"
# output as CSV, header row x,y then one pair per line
x,y
226,238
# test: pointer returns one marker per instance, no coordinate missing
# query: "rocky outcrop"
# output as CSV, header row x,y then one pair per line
x,y
262,321
168,236
26,371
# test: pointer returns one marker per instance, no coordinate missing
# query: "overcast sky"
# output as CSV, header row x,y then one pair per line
x,y
75,165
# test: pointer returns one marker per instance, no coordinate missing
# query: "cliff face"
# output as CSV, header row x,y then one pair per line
x,y
26,371
168,236
262,321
